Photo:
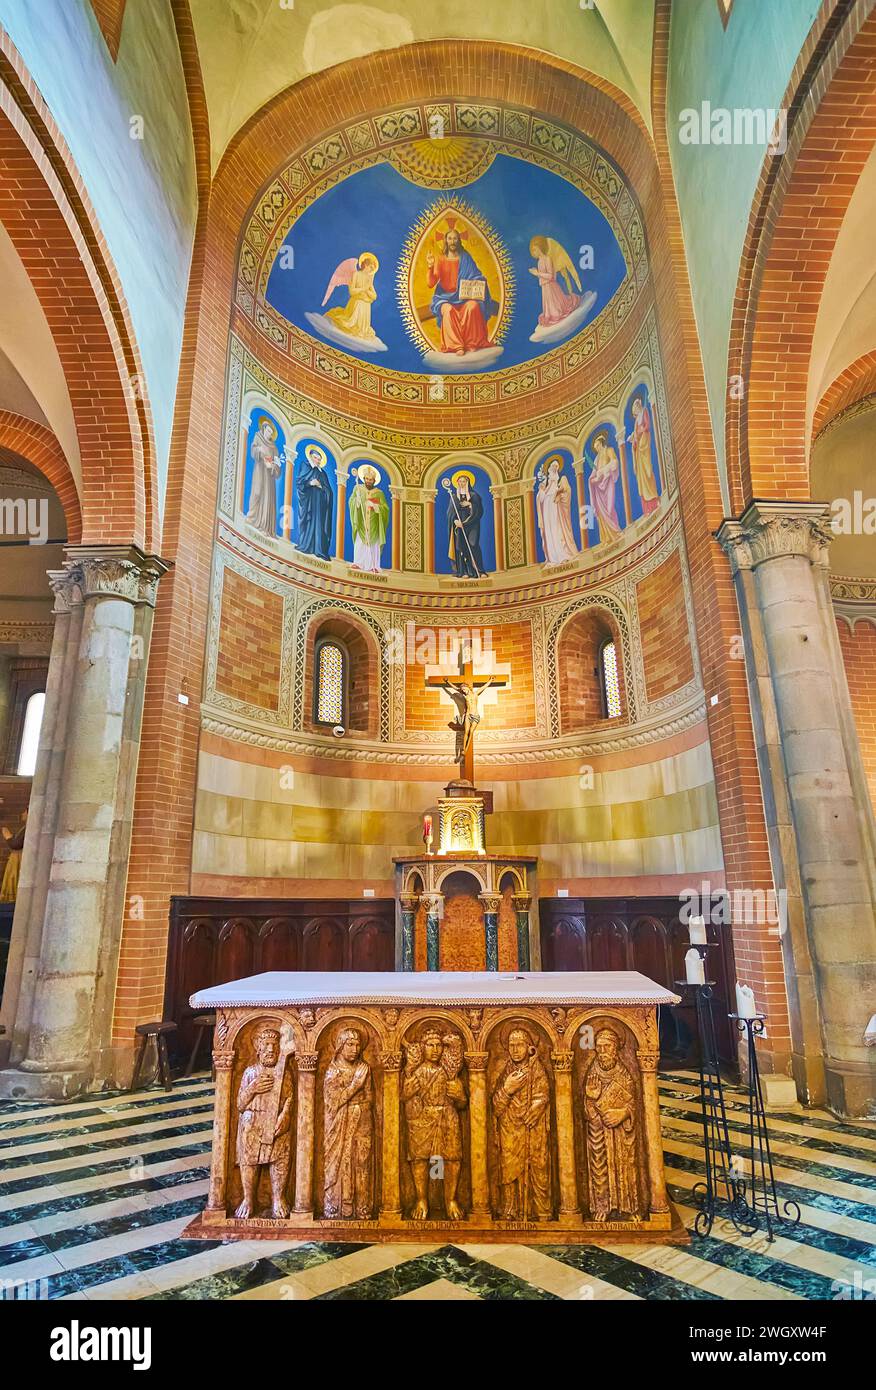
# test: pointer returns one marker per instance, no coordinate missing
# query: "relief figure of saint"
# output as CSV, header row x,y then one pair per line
x,y
348,1094
521,1114
264,1104
612,1140
433,1095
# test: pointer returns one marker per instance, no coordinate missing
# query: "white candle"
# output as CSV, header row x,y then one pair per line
x,y
697,931
745,1005
695,971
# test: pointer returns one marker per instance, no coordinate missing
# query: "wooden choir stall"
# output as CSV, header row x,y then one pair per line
x,y
424,1106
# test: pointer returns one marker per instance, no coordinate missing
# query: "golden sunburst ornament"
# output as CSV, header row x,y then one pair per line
x,y
449,161
420,256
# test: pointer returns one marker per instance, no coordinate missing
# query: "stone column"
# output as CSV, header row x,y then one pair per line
x,y
217,1198
777,551
409,917
36,860
304,1139
569,1204
477,1102
522,903
76,898
658,1197
491,903
434,905
390,1205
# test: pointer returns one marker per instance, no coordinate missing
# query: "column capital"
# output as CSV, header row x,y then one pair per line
x,y
409,901
491,901
522,901
768,530
110,571
306,1061
477,1061
434,904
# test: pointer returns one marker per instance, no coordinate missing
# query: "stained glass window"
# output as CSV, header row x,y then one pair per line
x,y
610,686
330,676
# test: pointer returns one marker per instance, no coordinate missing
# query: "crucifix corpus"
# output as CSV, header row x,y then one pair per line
x,y
465,691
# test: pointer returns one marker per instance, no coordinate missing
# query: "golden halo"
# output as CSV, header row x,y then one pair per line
x,y
462,473
553,458
266,420
603,435
315,449
368,256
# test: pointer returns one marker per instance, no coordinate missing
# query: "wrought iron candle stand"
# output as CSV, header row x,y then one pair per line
x,y
762,1202
723,1192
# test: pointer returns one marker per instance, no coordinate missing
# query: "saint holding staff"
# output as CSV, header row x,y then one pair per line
x,y
369,518
553,504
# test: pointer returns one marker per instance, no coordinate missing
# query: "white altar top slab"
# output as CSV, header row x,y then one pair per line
x,y
280,987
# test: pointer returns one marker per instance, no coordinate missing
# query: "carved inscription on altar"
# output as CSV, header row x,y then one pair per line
x,y
542,1120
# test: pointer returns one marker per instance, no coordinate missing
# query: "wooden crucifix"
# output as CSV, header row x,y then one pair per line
x,y
465,693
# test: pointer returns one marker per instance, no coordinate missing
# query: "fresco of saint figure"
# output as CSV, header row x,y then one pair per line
x,y
369,518
643,463
266,463
553,503
603,488
461,300
562,309
315,505
350,325
465,509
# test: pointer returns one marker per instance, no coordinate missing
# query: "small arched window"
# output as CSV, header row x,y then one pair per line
x,y
330,683
30,734
611,700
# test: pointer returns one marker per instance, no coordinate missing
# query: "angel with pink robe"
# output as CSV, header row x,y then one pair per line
x,y
553,261
554,507
603,488
357,274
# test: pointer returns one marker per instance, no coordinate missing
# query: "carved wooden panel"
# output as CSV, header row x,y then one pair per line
x,y
641,934
213,940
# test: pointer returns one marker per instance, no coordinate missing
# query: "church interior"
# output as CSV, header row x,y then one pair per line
x,y
438,650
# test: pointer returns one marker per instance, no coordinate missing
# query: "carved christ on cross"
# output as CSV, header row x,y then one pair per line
x,y
465,693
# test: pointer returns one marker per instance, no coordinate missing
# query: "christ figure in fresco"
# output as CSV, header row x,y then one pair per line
x,y
461,300
603,488
643,463
266,461
554,507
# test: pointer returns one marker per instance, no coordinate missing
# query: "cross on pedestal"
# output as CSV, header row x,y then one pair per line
x,y
465,689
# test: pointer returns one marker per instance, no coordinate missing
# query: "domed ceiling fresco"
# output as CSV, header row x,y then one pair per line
x,y
447,258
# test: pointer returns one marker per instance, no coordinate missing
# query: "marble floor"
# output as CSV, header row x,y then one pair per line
x,y
94,1195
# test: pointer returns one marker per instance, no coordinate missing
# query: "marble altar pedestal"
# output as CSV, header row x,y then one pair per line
x,y
428,1107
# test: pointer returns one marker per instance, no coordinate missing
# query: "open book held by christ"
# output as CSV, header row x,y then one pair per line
x,y
472,289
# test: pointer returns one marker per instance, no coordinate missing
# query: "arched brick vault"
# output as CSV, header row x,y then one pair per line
x,y
40,447
55,233
852,385
795,219
161,854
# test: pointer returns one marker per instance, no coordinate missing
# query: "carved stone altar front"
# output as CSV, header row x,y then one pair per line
x,y
475,1107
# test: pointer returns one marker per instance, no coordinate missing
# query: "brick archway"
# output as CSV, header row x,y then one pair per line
x,y
853,384
795,219
41,448
57,238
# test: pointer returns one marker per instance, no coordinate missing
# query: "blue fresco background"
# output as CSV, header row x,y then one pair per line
x,y
375,209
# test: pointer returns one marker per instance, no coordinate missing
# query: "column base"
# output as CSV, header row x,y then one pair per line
x,y
19,1084
851,1091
